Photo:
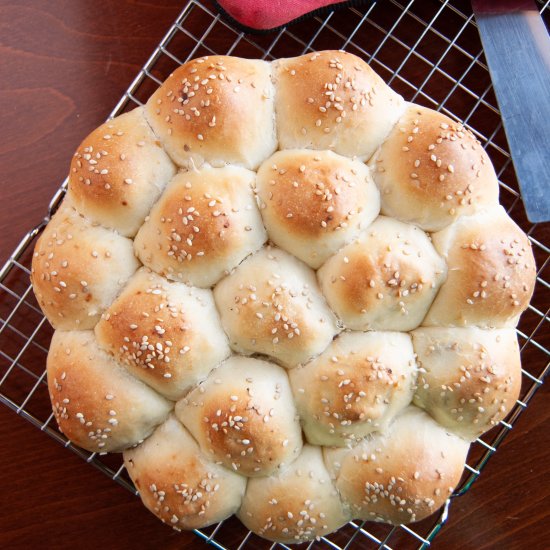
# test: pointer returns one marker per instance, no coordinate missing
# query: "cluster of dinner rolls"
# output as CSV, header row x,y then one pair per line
x,y
284,293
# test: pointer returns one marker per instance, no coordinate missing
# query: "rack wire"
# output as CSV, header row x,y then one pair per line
x,y
430,52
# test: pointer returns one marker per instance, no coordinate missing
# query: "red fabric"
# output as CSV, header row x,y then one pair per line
x,y
269,14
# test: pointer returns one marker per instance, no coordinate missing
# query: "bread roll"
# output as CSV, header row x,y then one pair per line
x,y
470,378
244,417
385,280
333,100
205,223
295,505
356,386
271,304
166,334
491,268
402,475
118,172
179,484
431,170
98,405
78,268
216,109
314,202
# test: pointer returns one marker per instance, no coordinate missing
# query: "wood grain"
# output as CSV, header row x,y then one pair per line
x,y
64,63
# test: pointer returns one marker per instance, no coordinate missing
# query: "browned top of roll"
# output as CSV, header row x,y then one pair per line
x,y
118,171
178,483
205,223
313,192
402,475
244,416
333,100
97,404
431,169
78,268
167,334
470,378
491,273
217,109
298,504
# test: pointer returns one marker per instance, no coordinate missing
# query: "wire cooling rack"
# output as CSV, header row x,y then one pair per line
x,y
430,52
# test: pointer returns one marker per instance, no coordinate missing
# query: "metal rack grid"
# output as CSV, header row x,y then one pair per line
x,y
430,52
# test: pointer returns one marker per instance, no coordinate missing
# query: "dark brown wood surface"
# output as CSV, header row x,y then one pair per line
x,y
63,65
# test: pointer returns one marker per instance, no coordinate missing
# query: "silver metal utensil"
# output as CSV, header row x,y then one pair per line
x,y
517,49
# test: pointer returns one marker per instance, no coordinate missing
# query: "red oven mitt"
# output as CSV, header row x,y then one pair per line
x,y
267,15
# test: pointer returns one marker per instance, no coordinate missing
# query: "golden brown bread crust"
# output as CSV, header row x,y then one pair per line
x,y
96,403
271,305
322,192
118,172
78,269
402,475
470,378
431,169
216,109
333,100
385,280
167,334
313,202
356,386
491,272
244,417
179,484
218,118
294,505
205,223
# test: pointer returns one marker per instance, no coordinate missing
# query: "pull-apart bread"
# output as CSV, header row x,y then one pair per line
x,y
283,293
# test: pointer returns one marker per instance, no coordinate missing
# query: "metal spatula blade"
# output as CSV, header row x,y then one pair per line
x,y
517,49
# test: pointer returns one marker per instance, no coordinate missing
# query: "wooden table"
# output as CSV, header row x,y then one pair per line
x,y
63,65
